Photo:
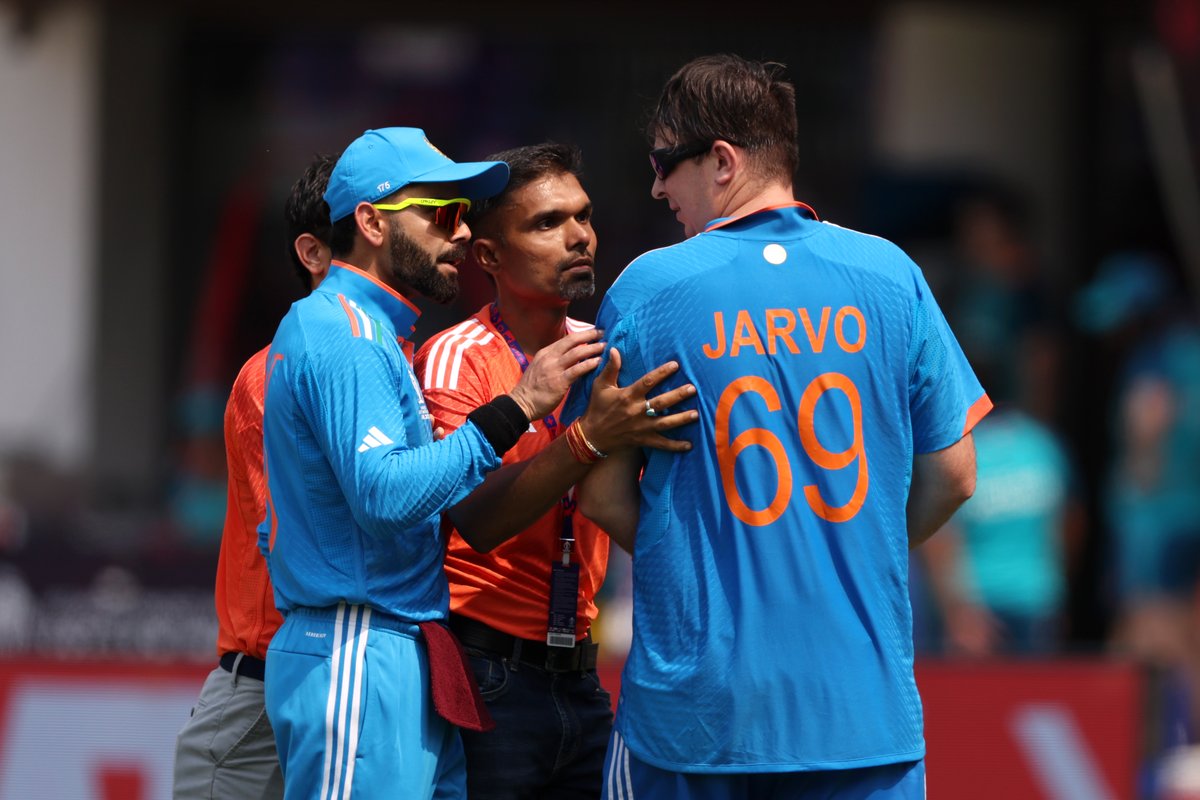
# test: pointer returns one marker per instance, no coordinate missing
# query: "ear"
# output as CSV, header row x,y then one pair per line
x,y
730,161
486,253
314,255
372,225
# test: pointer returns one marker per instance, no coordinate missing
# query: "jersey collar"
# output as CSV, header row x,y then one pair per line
x,y
762,214
376,298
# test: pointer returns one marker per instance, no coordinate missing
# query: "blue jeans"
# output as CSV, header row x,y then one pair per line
x,y
550,737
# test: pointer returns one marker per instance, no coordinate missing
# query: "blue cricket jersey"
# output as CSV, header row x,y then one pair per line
x,y
772,630
355,481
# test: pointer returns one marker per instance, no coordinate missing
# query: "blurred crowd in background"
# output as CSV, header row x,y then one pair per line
x,y
1077,306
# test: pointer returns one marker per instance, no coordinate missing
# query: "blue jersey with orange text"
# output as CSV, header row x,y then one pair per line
x,y
355,481
771,628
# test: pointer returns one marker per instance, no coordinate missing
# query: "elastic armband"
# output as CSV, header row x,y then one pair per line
x,y
501,421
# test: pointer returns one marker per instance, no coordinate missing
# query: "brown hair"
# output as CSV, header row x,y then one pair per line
x,y
746,103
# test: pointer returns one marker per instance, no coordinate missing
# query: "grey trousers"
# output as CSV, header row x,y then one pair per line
x,y
226,751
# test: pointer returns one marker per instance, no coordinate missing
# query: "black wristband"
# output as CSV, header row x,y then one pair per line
x,y
501,421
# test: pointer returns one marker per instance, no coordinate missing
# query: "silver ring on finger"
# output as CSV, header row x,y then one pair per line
x,y
650,412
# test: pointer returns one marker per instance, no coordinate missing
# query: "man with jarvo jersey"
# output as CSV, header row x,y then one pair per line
x,y
772,637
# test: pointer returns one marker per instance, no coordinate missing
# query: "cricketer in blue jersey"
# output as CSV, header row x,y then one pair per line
x,y
362,684
772,645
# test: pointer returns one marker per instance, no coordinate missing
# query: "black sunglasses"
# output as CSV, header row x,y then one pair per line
x,y
665,159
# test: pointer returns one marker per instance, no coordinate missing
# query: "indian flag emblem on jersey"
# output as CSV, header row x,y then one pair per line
x,y
362,324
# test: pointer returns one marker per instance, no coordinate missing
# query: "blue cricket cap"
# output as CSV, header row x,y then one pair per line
x,y
1127,285
384,161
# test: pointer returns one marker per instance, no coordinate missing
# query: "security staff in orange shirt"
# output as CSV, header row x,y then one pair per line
x,y
523,606
226,749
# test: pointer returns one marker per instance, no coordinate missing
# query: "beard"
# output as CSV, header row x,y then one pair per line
x,y
575,286
414,267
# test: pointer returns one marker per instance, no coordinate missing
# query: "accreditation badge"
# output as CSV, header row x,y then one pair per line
x,y
564,602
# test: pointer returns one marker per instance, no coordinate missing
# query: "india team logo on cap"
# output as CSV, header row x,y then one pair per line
x,y
384,160
433,147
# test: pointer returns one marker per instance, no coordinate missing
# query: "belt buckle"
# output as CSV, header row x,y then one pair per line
x,y
562,659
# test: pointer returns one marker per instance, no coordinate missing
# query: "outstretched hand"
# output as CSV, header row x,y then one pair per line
x,y
619,417
552,371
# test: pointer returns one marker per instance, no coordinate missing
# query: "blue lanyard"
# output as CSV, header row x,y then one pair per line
x,y
550,421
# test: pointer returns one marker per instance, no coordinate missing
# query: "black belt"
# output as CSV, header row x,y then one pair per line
x,y
477,636
248,666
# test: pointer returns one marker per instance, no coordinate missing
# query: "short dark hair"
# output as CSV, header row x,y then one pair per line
x,y
526,165
346,228
306,211
746,103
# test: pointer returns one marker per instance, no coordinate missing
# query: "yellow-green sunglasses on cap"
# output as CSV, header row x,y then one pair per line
x,y
447,216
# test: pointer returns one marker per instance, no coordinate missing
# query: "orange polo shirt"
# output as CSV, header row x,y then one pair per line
x,y
460,369
246,613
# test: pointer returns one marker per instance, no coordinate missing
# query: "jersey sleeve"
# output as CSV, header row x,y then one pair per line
x,y
244,446
618,333
405,478
945,398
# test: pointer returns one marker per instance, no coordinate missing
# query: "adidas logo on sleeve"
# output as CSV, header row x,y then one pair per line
x,y
374,438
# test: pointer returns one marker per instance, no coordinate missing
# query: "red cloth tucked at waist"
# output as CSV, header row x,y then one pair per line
x,y
455,694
